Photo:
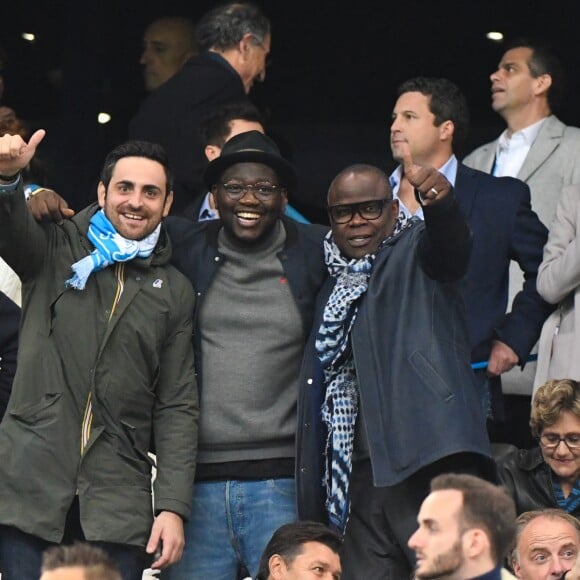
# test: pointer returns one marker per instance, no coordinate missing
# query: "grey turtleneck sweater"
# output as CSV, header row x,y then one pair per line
x,y
252,342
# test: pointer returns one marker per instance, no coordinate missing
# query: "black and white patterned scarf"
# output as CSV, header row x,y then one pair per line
x,y
340,406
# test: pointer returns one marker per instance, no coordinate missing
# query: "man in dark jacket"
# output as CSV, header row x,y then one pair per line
x,y
105,363
235,40
387,369
9,321
256,275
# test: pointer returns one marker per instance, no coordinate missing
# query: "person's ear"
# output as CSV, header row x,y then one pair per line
x,y
517,569
475,543
447,130
245,45
542,84
101,194
276,567
167,204
212,152
284,195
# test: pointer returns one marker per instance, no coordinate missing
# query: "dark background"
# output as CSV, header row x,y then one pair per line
x,y
329,90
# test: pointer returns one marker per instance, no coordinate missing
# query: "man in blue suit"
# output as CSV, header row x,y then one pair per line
x,y
431,116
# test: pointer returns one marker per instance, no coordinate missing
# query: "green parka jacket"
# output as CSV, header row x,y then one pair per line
x,y
101,372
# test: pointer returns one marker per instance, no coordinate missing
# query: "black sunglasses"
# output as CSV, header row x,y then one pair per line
x,y
368,210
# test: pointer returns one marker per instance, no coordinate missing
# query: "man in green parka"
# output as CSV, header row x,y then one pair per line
x,y
105,365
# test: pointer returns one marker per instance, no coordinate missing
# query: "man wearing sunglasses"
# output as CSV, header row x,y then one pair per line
x,y
387,398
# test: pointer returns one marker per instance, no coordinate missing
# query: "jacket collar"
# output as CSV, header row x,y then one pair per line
x,y
547,140
531,459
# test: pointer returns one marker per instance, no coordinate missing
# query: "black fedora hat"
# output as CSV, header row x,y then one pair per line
x,y
251,147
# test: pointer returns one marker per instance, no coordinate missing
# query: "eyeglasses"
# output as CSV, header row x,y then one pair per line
x,y
368,210
262,191
552,440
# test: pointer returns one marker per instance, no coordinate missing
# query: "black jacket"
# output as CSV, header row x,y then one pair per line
x,y
411,353
528,478
171,116
504,228
195,254
9,321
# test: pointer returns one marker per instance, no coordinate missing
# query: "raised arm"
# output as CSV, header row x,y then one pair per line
x,y
22,240
445,246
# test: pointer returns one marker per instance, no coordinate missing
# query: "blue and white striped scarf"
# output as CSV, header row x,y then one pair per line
x,y
110,247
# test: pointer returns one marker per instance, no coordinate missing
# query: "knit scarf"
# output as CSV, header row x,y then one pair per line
x,y
110,247
340,407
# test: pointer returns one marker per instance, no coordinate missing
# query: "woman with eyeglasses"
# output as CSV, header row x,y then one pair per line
x,y
547,476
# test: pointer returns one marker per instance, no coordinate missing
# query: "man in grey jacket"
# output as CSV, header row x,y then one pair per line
x,y
535,147
105,364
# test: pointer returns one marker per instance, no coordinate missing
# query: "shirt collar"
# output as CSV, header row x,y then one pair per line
x,y
526,136
448,169
205,211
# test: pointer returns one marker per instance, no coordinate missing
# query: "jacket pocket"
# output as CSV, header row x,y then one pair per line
x,y
131,433
35,412
430,377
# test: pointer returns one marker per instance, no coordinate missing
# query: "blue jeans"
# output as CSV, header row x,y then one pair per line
x,y
21,556
231,523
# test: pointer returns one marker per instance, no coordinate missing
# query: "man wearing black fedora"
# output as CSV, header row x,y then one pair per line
x,y
256,274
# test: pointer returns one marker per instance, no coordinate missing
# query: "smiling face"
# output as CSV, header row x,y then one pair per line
x,y
563,462
359,236
438,542
249,219
547,547
135,200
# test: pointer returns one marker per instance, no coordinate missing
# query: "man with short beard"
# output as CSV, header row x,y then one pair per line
x,y
466,526
105,364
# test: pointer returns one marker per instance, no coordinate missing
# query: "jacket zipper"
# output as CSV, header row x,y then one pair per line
x,y
88,415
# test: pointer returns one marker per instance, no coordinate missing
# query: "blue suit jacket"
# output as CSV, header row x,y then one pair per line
x,y
504,228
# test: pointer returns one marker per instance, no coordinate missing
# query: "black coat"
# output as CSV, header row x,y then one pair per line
x,y
528,478
504,228
172,114
9,322
409,340
196,255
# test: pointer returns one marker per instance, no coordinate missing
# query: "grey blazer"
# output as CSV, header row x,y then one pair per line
x,y
552,163
558,282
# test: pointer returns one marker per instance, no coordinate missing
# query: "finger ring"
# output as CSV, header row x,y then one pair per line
x,y
435,192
